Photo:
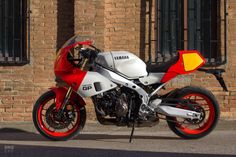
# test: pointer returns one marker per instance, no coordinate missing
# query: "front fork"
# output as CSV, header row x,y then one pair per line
x,y
66,100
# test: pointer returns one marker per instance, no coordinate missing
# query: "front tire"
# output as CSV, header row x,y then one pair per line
x,y
207,105
45,121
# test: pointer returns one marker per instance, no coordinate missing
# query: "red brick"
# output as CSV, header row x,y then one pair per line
x,y
14,119
16,109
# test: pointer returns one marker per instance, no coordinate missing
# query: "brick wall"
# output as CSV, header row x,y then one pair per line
x,y
21,85
114,25
230,98
89,20
122,25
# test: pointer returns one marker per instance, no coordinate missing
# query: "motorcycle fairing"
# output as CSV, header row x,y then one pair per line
x,y
73,76
189,61
61,63
81,81
93,84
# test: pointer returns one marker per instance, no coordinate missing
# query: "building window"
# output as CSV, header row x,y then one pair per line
x,y
193,25
13,34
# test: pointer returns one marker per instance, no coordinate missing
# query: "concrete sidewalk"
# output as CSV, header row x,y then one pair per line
x,y
97,140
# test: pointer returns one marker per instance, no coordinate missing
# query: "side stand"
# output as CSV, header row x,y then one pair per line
x,y
132,132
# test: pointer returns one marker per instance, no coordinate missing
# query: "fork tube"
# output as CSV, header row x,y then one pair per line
x,y
67,97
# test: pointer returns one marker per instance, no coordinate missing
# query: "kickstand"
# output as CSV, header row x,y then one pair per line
x,y
132,133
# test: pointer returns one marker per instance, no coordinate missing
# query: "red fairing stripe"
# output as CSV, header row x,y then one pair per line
x,y
168,76
73,76
178,68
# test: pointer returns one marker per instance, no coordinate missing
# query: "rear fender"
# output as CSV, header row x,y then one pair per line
x,y
60,96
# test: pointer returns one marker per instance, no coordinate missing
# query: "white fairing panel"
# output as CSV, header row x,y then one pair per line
x,y
152,78
93,84
123,62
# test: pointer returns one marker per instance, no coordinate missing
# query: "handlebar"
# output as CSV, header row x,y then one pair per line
x,y
88,56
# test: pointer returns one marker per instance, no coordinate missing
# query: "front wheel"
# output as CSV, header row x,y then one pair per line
x,y
205,103
54,127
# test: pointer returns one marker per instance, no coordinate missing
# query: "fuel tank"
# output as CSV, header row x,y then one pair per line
x,y
124,63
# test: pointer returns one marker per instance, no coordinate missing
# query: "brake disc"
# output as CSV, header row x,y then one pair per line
x,y
58,122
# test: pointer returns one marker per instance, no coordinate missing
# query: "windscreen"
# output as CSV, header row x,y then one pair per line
x,y
76,39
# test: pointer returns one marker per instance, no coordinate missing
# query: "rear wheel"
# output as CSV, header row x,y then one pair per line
x,y
203,102
54,127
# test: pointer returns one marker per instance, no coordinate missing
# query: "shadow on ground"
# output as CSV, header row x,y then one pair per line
x,y
12,134
105,136
38,151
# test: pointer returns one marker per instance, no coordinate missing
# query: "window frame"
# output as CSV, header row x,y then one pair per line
x,y
23,57
163,57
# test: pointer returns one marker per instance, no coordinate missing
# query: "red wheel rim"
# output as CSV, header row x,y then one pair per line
x,y
57,133
208,120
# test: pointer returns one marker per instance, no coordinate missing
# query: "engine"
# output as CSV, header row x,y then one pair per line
x,y
119,107
113,104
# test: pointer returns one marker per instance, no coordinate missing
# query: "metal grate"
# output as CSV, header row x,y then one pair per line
x,y
13,36
193,25
169,24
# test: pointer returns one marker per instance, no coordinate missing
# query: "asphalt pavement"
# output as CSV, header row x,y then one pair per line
x,y
22,140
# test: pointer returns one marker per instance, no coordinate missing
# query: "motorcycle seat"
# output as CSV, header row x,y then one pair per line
x,y
163,67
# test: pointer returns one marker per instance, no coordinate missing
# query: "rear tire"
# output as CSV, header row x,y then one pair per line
x,y
210,106
47,130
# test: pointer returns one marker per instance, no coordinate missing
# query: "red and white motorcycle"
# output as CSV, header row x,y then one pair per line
x,y
124,91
